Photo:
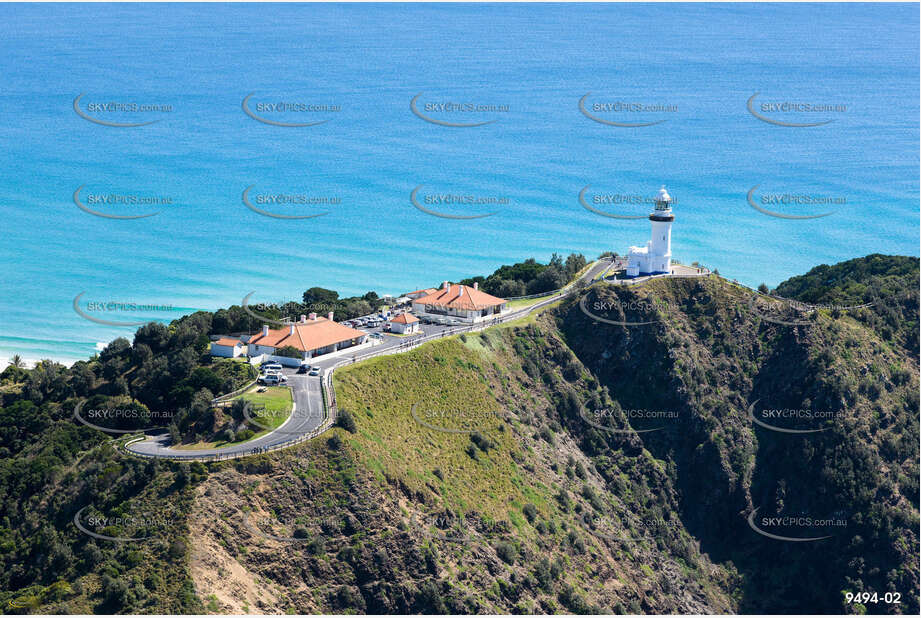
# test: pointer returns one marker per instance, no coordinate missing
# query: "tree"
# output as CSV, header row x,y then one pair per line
x,y
17,361
154,334
289,351
574,263
317,295
174,436
763,288
552,278
510,288
114,349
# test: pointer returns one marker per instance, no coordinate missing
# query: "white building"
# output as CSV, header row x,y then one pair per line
x,y
404,324
656,257
461,302
312,336
227,347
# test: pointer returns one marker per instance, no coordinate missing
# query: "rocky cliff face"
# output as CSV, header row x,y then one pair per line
x,y
664,449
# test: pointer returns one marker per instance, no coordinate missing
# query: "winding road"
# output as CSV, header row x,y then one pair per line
x,y
309,417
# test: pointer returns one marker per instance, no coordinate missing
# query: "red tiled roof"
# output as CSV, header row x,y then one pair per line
x,y
309,335
405,318
425,291
460,297
228,342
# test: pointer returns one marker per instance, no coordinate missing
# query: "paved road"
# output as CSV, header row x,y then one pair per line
x,y
308,413
307,416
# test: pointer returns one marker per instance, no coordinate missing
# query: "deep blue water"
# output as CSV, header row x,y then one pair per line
x,y
206,249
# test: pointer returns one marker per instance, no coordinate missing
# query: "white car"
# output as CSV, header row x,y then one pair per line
x,y
276,375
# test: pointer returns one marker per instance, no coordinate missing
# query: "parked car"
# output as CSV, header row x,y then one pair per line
x,y
304,368
271,379
268,366
315,371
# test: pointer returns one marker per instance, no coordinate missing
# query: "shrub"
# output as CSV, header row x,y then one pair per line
x,y
345,420
506,552
482,441
530,512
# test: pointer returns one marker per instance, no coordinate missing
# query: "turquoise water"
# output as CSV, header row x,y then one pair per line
x,y
530,64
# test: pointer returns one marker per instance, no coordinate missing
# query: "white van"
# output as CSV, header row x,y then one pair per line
x,y
271,367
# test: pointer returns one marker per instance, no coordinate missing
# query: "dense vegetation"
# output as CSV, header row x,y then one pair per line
x,y
525,503
530,277
887,283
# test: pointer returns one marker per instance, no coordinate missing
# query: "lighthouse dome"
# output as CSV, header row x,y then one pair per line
x,y
663,196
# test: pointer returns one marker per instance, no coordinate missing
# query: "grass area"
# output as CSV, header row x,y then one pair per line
x,y
527,302
278,404
276,399
447,383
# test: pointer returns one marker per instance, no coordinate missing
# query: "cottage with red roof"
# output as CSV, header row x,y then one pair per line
x,y
227,347
313,336
404,324
461,302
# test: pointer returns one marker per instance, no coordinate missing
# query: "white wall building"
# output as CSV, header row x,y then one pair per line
x,y
227,347
404,324
312,336
656,257
461,302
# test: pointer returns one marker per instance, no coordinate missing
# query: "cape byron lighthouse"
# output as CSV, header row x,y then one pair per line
x,y
656,257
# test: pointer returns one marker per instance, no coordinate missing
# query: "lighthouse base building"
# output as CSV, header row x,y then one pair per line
x,y
656,257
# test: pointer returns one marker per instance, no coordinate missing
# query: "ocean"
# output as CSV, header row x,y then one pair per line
x,y
383,89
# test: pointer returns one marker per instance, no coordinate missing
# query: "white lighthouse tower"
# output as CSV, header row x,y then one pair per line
x,y
656,257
